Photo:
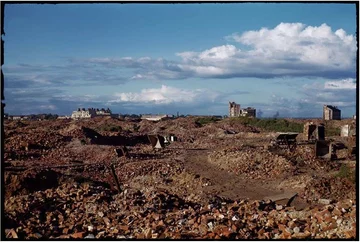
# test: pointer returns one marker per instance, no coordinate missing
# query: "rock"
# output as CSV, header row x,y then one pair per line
x,y
90,236
90,228
296,230
78,235
147,234
324,201
106,221
235,218
210,225
279,207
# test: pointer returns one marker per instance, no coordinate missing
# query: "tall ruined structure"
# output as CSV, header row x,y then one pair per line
x,y
234,109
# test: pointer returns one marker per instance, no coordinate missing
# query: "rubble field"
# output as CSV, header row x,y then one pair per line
x,y
219,180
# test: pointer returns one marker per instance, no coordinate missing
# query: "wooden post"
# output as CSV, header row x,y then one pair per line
x,y
115,178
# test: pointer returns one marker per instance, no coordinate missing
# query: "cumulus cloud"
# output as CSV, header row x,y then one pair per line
x,y
166,95
289,49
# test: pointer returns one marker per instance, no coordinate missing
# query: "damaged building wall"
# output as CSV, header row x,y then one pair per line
x,y
234,109
348,130
248,112
331,113
82,113
314,132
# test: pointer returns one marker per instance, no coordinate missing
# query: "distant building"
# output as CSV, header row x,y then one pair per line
x,y
155,117
103,112
15,117
6,115
82,113
248,112
331,113
234,109
63,117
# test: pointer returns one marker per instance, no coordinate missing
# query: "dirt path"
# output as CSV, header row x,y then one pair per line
x,y
227,184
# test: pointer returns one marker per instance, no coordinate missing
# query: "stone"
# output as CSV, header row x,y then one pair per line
x,y
324,201
90,228
78,235
90,236
235,218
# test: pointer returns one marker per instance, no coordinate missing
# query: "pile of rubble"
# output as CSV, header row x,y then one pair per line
x,y
332,189
255,163
84,210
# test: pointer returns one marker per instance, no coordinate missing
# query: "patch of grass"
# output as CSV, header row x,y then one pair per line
x,y
206,120
331,129
271,124
346,172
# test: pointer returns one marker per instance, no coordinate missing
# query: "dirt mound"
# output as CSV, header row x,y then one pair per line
x,y
79,132
250,162
231,125
334,188
30,181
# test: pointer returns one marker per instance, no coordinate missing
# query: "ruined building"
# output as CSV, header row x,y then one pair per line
x,y
234,109
248,112
314,132
103,112
331,113
150,117
82,113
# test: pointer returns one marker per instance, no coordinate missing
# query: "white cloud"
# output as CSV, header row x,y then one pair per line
x,y
166,95
290,49
310,45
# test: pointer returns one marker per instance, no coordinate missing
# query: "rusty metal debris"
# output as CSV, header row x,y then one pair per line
x,y
286,140
112,169
122,152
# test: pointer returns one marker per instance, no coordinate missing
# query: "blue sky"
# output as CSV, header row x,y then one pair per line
x,y
192,58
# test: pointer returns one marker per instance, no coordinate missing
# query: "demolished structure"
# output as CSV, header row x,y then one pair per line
x,y
235,111
248,112
103,112
155,117
331,113
82,113
314,132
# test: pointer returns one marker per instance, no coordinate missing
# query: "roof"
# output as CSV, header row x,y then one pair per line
x,y
332,107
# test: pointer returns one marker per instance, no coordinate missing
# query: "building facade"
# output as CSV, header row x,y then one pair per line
x,y
248,112
103,112
331,113
234,109
155,117
82,113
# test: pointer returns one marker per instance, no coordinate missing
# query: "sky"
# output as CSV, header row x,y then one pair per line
x,y
288,59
